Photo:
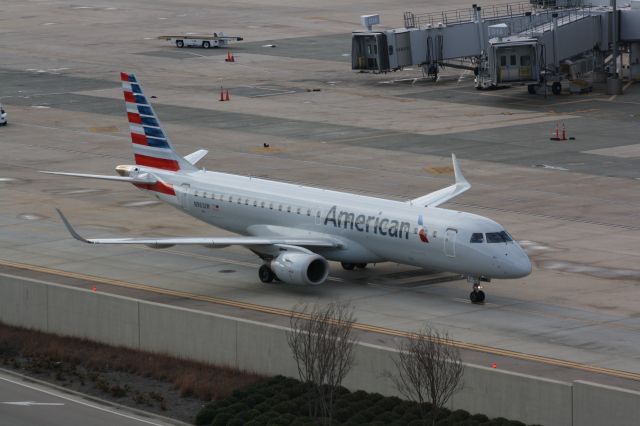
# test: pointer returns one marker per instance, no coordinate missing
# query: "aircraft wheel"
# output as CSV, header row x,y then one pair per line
x,y
206,44
477,296
180,43
266,274
348,266
556,88
532,89
361,265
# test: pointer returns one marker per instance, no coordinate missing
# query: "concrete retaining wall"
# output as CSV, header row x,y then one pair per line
x,y
262,348
600,405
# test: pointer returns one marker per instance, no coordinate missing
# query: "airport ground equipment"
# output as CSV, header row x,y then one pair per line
x,y
541,43
3,116
205,41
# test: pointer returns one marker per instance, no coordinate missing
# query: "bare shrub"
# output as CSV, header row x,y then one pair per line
x,y
322,342
193,378
429,369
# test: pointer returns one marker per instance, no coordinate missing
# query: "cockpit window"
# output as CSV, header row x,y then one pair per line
x,y
498,237
477,238
506,236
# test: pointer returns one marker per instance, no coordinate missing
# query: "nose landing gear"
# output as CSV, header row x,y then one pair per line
x,y
477,295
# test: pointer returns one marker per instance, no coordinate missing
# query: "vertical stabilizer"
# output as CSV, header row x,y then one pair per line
x,y
151,146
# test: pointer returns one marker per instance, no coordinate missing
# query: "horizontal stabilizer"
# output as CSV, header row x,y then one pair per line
x,y
215,242
142,178
194,157
443,195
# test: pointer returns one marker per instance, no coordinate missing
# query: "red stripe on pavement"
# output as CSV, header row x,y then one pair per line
x,y
158,163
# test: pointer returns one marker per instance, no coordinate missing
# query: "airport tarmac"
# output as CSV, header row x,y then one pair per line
x,y
574,205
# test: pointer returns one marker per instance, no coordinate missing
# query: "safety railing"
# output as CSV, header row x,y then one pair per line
x,y
491,12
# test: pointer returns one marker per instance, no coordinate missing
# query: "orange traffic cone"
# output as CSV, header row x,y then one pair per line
x,y
226,95
233,58
221,95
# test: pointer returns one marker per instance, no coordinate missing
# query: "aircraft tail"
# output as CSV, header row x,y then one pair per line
x,y
151,145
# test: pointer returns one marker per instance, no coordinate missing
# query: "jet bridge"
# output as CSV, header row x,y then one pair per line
x,y
530,43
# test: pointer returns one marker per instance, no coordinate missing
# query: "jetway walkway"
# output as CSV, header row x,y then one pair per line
x,y
526,43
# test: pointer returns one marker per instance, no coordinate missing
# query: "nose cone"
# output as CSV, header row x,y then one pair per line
x,y
519,263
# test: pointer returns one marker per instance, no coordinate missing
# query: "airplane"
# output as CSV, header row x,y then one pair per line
x,y
297,229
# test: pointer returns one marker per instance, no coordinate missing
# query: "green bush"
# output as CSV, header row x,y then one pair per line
x,y
221,419
236,422
390,403
205,415
280,401
342,414
459,415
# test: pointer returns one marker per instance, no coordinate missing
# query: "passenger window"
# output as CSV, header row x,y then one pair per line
x,y
262,205
239,200
195,193
503,61
280,208
477,238
289,209
246,201
308,212
230,198
525,61
514,59
255,203
298,211
390,50
270,206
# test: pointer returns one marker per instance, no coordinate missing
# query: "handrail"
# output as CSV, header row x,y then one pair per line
x,y
503,10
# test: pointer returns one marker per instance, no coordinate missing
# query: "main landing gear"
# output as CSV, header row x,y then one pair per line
x,y
352,266
477,295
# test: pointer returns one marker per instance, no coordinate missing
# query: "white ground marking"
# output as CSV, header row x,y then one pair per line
x,y
86,404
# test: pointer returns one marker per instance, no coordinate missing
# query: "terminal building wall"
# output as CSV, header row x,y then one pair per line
x,y
263,349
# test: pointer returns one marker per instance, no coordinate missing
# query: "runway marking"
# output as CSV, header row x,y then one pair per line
x,y
30,403
287,313
86,404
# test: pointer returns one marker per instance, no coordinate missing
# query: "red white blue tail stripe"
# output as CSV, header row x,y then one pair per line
x,y
151,146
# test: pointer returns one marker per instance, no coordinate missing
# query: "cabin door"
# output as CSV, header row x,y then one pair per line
x,y
450,242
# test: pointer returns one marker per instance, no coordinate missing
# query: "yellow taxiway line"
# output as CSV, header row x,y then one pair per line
x,y
288,313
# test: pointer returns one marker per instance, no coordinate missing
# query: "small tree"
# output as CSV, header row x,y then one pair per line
x,y
429,369
322,344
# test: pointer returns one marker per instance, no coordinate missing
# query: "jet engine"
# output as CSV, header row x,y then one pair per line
x,y
300,268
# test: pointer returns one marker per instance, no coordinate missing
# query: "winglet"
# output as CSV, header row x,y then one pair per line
x,y
457,171
436,198
72,231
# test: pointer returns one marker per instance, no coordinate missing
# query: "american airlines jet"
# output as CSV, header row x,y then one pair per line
x,y
296,229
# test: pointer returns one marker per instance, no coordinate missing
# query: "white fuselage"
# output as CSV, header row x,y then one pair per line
x,y
370,229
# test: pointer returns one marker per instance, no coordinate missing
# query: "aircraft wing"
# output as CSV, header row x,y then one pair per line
x,y
443,195
142,178
213,242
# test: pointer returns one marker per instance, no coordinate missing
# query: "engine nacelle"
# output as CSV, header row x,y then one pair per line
x,y
300,268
